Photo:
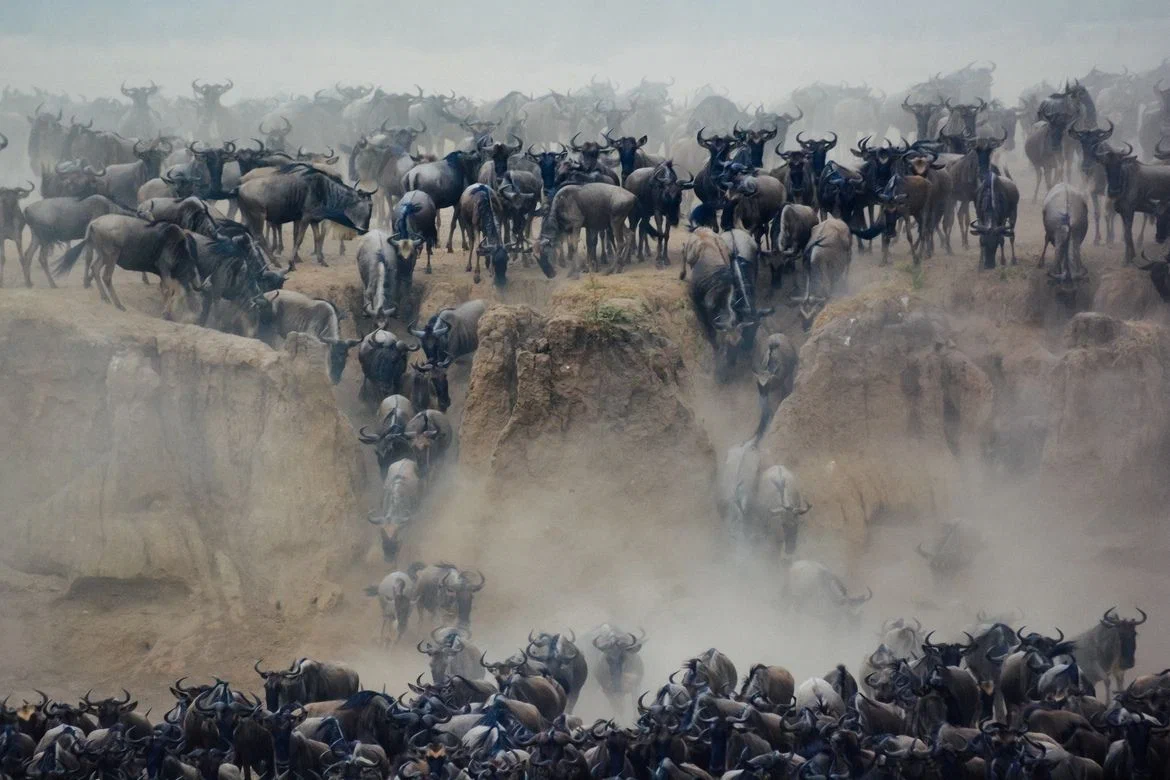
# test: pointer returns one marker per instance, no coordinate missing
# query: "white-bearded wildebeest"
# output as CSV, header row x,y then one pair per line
x,y
451,333
715,287
12,223
596,207
431,438
415,215
997,200
136,245
394,413
381,259
1133,187
308,681
452,655
396,598
58,220
811,589
123,180
1093,176
282,312
1066,223
793,229
827,257
659,192
444,181
382,356
401,493
563,661
774,363
619,668
755,201
778,507
1106,650
304,195
477,213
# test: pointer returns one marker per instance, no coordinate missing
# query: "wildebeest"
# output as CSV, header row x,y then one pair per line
x,y
382,356
281,312
457,593
952,550
451,333
394,412
1066,223
396,598
305,195
122,181
996,203
715,287
136,245
308,681
779,507
659,192
596,207
57,220
431,439
12,223
452,655
380,261
774,363
401,493
415,214
562,659
1093,174
1107,649
477,213
444,181
812,589
826,264
1133,187
619,669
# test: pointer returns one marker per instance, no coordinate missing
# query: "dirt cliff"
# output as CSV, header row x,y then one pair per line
x,y
173,454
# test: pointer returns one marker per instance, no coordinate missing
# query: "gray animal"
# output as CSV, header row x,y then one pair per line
x,y
1093,174
1066,223
1106,651
714,289
382,356
774,364
478,213
401,493
394,413
136,245
793,231
380,258
826,264
12,223
55,221
452,655
444,181
431,439
659,192
396,598
415,215
559,655
812,589
952,550
596,207
619,668
1133,187
122,181
281,312
779,507
308,681
451,333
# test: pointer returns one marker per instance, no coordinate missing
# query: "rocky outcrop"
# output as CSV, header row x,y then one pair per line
x,y
885,412
139,449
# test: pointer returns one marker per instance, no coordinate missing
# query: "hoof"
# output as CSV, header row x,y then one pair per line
x,y
322,263
475,278
428,269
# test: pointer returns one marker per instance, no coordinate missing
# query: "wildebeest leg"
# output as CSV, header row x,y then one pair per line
x,y
885,250
964,218
1127,232
18,253
910,240
97,281
26,259
1039,174
1012,240
1110,213
1044,250
1141,239
108,283
1096,220
233,207
572,239
44,259
318,229
591,248
451,230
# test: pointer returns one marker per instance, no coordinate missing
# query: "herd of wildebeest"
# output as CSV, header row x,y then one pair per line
x,y
135,186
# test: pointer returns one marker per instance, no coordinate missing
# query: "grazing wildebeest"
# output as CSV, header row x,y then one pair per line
x,y
396,598
996,206
619,670
394,412
281,312
12,222
451,333
560,657
382,356
379,258
477,213
415,215
58,220
304,195
1107,649
1133,187
444,181
659,192
308,681
1159,275
1066,223
136,245
774,364
597,207
401,493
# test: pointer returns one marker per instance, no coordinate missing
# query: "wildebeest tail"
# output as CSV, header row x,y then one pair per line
x,y
765,412
69,259
869,233
401,228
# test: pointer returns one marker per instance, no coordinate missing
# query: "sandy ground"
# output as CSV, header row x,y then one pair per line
x,y
1059,568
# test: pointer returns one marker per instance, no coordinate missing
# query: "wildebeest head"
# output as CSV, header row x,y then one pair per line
x,y
791,518
1126,633
669,190
754,141
946,654
718,146
140,95
212,160
990,240
818,151
547,162
923,112
219,704
436,373
435,337
967,113
209,94
1118,167
878,161
590,151
459,589
108,711
555,651
502,671
444,647
627,150
500,153
797,160
276,138
1060,114
153,153
781,122
1090,140
276,682
11,196
615,648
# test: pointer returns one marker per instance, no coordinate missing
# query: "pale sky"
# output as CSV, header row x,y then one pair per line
x,y
760,50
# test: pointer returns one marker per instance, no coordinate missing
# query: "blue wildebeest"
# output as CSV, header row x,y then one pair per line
x,y
308,681
55,221
996,202
431,438
1066,223
379,260
396,598
1133,187
813,590
706,183
559,655
415,215
630,154
477,213
12,222
394,413
445,180
282,312
401,493
659,192
452,655
451,333
1106,650
774,364
382,356
123,180
1093,175
547,163
713,291
598,208
619,670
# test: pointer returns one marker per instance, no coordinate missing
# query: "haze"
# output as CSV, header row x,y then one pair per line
x,y
760,50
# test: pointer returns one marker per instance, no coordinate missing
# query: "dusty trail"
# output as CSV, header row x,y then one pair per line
x,y
570,549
